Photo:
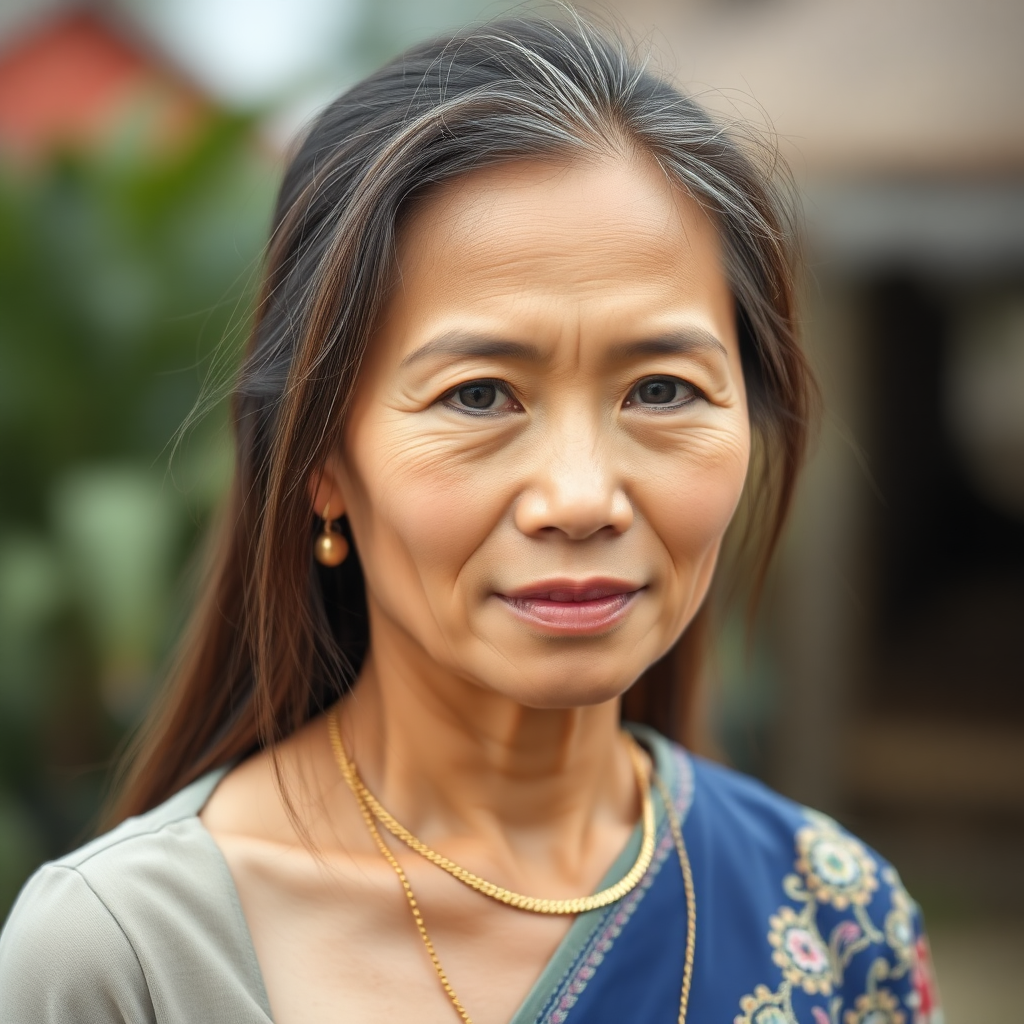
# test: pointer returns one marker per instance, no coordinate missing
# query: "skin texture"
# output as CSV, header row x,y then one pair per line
x,y
490,728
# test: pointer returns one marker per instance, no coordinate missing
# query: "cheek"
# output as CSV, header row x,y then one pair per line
x,y
691,502
424,509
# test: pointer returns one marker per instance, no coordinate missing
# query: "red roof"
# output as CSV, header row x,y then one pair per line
x,y
75,78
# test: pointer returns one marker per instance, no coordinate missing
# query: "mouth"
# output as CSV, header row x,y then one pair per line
x,y
573,607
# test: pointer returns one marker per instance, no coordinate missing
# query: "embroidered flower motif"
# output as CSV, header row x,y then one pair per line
x,y
763,1007
800,952
836,867
878,1007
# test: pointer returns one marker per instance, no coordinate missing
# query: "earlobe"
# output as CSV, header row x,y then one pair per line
x,y
325,491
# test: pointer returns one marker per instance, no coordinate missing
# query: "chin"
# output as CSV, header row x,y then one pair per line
x,y
556,687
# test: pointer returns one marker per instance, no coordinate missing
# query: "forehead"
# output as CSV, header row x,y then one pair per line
x,y
591,249
580,218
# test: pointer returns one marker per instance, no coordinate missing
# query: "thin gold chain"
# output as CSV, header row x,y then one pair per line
x,y
674,827
415,908
691,895
534,904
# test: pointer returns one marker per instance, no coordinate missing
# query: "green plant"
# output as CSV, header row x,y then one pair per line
x,y
125,276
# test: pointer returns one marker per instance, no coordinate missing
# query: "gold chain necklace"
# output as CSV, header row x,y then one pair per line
x,y
536,905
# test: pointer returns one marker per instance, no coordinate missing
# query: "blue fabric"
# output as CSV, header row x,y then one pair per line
x,y
797,922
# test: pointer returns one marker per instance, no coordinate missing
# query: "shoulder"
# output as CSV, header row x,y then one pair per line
x,y
94,935
744,802
155,853
730,814
64,957
807,852
806,856
832,918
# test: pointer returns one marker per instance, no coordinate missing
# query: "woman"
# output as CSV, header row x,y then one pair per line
x,y
527,313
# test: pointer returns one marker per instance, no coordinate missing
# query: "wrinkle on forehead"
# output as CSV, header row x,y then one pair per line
x,y
486,222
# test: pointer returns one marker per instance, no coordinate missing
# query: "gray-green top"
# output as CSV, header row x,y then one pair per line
x,y
144,925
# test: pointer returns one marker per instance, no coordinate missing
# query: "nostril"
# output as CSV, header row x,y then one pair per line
x,y
576,505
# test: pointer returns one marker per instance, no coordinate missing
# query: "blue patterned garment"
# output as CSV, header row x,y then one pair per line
x,y
797,922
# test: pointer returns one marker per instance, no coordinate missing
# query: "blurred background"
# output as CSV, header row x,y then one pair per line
x,y
140,145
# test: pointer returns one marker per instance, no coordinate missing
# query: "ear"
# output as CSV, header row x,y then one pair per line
x,y
325,490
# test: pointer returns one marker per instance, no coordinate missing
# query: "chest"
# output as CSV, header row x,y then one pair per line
x,y
337,940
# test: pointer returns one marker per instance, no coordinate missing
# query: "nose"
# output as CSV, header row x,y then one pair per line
x,y
576,489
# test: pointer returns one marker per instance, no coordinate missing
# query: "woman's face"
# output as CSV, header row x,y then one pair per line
x,y
550,433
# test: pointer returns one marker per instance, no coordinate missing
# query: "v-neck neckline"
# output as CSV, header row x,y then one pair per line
x,y
573,942
585,925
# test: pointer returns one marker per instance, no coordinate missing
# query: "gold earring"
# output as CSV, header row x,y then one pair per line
x,y
331,548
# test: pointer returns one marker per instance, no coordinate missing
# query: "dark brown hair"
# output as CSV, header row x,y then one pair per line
x,y
276,637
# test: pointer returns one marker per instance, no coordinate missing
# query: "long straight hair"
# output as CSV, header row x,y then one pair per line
x,y
275,637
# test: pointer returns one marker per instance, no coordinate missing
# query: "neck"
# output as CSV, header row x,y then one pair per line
x,y
445,755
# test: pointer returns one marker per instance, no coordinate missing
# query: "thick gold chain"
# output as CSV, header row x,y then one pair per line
x,y
360,792
534,904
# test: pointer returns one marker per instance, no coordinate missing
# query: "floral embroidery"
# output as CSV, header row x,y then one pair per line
x,y
764,1007
878,1007
836,868
836,871
800,952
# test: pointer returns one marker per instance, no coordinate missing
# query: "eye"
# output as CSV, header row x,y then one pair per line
x,y
662,393
482,396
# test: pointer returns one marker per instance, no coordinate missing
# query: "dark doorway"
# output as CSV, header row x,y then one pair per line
x,y
948,565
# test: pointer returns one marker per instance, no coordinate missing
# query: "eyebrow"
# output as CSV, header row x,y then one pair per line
x,y
453,344
459,343
686,341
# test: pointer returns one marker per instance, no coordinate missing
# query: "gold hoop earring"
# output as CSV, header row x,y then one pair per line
x,y
331,548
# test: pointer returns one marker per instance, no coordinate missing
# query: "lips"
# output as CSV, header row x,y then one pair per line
x,y
570,607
